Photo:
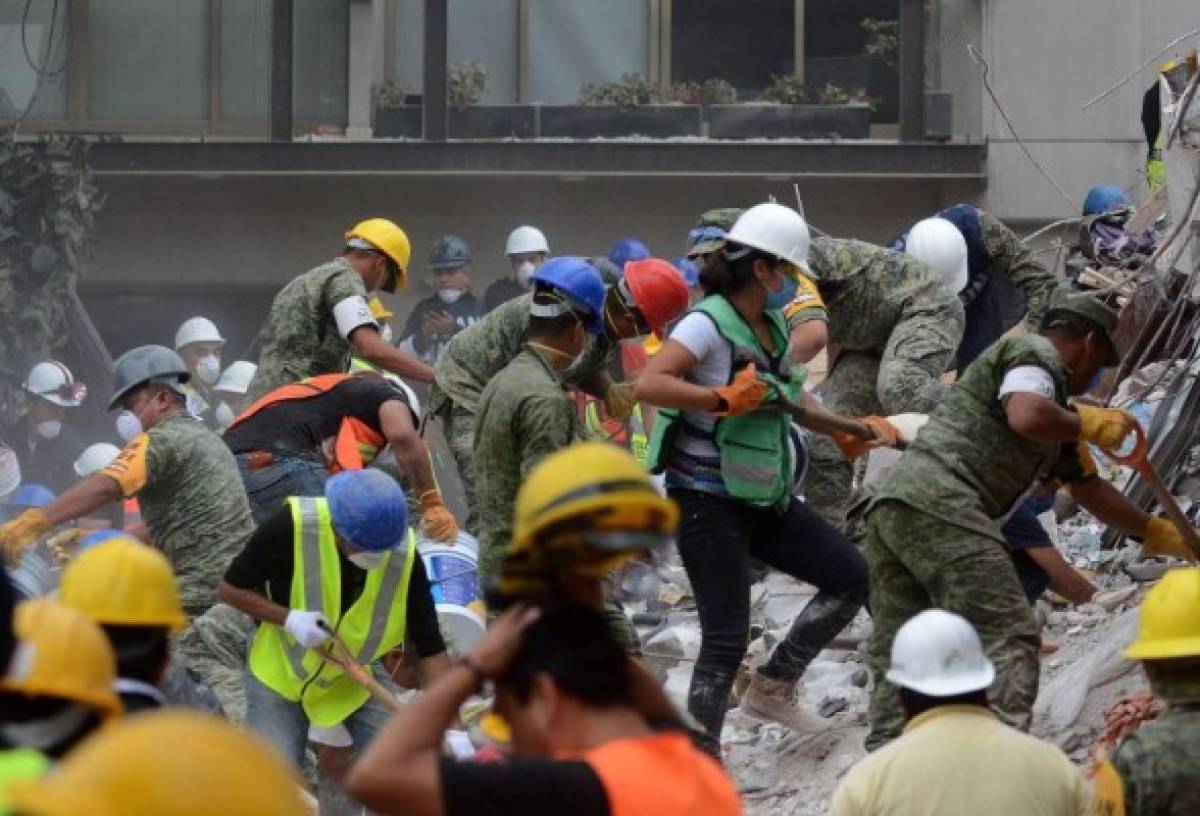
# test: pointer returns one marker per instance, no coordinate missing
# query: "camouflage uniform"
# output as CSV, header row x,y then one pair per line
x,y
195,508
896,328
933,537
469,362
300,337
1159,763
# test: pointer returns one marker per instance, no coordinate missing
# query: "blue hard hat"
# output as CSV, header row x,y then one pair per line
x,y
626,250
30,494
1104,197
368,509
579,282
689,269
99,537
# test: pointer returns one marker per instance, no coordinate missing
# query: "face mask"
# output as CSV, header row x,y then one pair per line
x,y
450,294
224,414
50,429
525,270
129,425
385,334
208,369
781,297
366,560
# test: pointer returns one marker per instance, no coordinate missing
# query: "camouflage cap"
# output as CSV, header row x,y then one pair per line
x,y
709,232
1092,309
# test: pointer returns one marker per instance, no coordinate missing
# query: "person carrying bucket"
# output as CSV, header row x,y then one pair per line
x,y
345,563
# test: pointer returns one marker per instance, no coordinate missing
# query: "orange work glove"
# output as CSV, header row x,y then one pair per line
x,y
19,534
743,395
886,435
437,522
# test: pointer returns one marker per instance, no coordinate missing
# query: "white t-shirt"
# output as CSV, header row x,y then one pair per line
x,y
1027,379
698,334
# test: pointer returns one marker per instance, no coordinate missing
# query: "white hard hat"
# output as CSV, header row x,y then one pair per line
x,y
774,229
95,458
197,330
940,246
10,471
938,654
526,239
53,381
236,377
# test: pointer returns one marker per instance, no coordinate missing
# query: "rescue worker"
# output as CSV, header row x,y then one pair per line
x,y
892,324
524,412
708,235
1155,768
340,562
199,344
729,466
526,249
626,250
129,590
191,500
59,686
933,535
1005,281
450,309
582,745
321,317
45,443
955,756
231,389
169,763
649,296
291,440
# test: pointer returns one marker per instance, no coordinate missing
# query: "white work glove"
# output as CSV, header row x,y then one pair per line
x,y
303,627
908,425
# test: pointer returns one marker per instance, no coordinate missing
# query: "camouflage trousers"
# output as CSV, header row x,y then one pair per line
x,y
920,562
215,649
458,425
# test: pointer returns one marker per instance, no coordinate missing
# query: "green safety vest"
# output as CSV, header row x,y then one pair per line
x,y
635,429
18,765
373,626
756,457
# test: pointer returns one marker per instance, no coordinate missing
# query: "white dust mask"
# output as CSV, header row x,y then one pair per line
x,y
208,369
50,429
525,270
450,294
129,425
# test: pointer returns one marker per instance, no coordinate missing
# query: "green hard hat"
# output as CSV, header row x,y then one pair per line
x,y
1092,309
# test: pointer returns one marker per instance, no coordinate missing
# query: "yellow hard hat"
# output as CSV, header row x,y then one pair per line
x,y
1169,622
378,310
595,498
389,239
167,762
62,653
123,582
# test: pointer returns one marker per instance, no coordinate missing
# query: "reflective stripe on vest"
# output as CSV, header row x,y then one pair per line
x,y
632,772
632,434
374,625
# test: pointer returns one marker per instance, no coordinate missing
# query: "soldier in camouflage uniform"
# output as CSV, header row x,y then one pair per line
x,y
319,318
933,534
192,501
895,327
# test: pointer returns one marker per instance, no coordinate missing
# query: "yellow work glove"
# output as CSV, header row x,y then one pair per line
x,y
886,435
1163,538
743,395
437,522
17,535
1106,427
619,400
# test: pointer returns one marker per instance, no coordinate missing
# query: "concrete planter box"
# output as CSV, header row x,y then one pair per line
x,y
395,123
588,121
494,122
750,121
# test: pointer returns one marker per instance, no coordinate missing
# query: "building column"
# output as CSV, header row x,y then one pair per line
x,y
912,70
282,69
437,55
368,44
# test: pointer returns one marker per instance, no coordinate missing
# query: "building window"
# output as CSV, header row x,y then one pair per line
x,y
745,48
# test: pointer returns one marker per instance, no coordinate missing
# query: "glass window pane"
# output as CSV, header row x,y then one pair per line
x,y
487,33
837,63
408,66
321,62
574,42
148,60
709,41
33,75
245,60
949,26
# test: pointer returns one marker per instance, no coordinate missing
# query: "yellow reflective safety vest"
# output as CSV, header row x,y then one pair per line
x,y
374,625
630,434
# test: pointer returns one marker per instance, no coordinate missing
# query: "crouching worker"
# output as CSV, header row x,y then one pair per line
x,y
344,563
581,745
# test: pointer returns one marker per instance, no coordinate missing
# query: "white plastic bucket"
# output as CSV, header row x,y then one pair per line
x,y
453,570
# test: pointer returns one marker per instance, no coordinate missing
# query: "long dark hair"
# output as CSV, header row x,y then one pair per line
x,y
722,276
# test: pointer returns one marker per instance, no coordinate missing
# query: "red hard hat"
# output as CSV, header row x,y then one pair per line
x,y
658,291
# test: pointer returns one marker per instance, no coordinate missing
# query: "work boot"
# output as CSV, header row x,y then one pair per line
x,y
771,699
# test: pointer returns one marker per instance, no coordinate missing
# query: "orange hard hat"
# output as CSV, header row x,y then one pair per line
x,y
658,290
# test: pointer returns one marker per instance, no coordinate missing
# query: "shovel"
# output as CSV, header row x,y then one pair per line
x,y
1140,462
339,654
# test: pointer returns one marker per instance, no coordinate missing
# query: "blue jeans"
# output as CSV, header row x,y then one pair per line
x,y
269,487
285,725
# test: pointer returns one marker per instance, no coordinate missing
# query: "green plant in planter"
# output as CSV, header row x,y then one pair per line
x,y
883,40
630,90
711,92
389,94
787,89
467,84
718,92
833,94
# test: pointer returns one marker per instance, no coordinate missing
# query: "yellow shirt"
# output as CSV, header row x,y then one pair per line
x,y
960,759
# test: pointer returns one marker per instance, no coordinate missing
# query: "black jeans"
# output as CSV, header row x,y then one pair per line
x,y
717,538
